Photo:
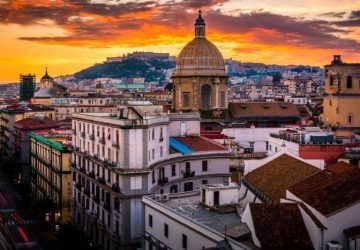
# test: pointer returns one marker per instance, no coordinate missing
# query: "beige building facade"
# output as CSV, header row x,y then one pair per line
x,y
50,172
342,94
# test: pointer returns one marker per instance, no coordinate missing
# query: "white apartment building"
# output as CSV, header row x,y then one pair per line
x,y
120,157
194,221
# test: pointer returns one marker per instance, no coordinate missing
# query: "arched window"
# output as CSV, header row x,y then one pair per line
x,y
206,93
349,82
332,80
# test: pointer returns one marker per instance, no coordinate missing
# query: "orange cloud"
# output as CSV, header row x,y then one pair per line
x,y
87,32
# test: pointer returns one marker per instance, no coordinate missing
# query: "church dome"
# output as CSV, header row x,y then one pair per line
x,y
46,76
200,57
42,93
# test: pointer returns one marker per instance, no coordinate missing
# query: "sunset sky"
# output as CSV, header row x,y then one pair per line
x,y
69,35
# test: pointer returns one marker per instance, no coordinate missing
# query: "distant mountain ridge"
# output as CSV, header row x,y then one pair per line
x,y
151,69
154,69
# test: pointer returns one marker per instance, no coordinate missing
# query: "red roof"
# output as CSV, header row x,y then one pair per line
x,y
330,190
198,143
35,123
280,226
260,109
339,167
215,136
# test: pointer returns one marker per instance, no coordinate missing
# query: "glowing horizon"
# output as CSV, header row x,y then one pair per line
x,y
67,36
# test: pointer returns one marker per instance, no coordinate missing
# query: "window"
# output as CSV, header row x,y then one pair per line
x,y
150,220
135,182
153,176
330,103
153,134
204,166
251,144
153,154
187,167
223,100
161,135
184,241
161,151
349,82
188,186
204,182
173,170
166,230
332,80
350,118
186,99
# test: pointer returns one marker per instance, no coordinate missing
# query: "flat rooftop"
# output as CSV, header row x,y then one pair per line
x,y
188,206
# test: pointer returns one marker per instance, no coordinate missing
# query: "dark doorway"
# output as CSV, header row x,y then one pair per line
x,y
216,198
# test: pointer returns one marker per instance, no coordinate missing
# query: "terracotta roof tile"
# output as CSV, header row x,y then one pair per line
x,y
280,226
198,143
33,123
273,178
328,191
339,167
258,109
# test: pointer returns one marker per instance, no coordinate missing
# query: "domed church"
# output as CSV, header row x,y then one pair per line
x,y
199,78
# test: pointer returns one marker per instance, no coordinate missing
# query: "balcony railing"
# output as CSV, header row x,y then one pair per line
x,y
97,199
163,181
188,174
78,186
92,137
102,140
107,206
115,187
82,169
92,174
87,192
116,145
101,180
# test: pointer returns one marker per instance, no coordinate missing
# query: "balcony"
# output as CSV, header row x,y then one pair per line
x,y
101,180
92,174
161,139
82,169
102,140
107,206
116,145
97,199
92,137
163,181
82,134
188,174
115,187
78,186
87,192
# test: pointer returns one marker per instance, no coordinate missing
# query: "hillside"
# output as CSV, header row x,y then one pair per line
x,y
150,69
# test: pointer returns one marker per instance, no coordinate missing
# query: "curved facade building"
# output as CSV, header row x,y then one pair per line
x,y
199,79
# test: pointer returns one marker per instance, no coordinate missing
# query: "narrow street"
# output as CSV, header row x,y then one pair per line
x,y
17,218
